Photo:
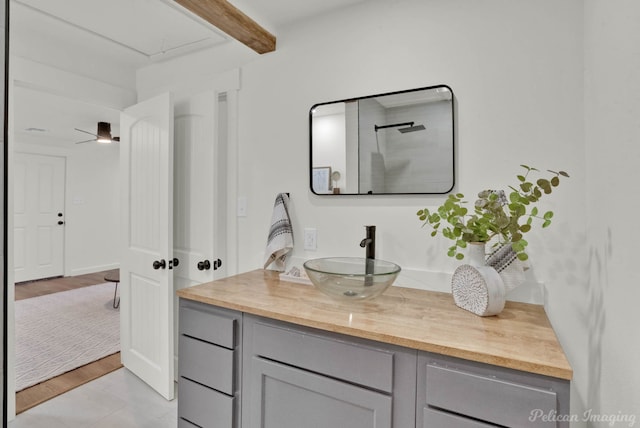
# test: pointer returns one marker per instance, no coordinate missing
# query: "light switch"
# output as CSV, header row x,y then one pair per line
x,y
310,239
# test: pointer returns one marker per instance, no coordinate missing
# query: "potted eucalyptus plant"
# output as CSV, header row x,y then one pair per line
x,y
494,214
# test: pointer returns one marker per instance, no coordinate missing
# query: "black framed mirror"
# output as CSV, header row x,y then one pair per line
x,y
394,143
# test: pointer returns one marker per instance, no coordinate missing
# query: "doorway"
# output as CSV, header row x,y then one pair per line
x,y
201,166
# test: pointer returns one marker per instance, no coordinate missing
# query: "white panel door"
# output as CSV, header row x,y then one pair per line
x,y
38,216
199,240
196,203
146,274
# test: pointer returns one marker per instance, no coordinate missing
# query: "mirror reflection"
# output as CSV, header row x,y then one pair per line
x,y
395,143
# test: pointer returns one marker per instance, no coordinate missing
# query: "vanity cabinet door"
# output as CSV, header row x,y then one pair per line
x,y
287,397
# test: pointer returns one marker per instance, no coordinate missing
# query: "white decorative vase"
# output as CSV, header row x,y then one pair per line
x,y
476,254
476,287
505,261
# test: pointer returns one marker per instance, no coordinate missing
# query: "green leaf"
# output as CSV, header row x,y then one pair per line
x,y
564,174
522,256
526,187
521,177
548,215
451,252
517,209
546,223
434,233
525,228
555,181
543,182
459,256
524,200
517,246
420,212
534,211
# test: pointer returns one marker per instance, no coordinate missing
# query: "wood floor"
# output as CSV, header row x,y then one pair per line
x,y
30,397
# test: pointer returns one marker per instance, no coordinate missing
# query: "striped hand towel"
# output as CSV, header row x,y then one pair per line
x,y
280,240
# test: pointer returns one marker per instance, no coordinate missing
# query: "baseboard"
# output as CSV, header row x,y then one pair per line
x,y
92,269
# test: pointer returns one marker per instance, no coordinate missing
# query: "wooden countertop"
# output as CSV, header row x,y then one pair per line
x,y
520,337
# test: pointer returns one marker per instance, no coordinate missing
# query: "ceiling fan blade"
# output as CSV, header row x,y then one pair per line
x,y
86,132
87,141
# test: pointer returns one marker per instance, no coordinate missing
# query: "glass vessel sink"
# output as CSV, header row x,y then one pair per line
x,y
351,278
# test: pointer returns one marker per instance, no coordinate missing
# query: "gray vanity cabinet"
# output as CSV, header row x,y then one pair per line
x,y
209,366
302,377
292,376
455,393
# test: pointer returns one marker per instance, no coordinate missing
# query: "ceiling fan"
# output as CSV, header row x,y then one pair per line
x,y
102,136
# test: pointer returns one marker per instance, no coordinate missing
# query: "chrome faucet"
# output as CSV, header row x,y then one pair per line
x,y
370,242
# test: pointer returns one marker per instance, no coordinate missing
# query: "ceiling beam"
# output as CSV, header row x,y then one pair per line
x,y
232,21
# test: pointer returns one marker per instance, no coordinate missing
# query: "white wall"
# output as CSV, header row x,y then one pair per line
x,y
92,182
609,309
93,209
516,68
330,145
92,205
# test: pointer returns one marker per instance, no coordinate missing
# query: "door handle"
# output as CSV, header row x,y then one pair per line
x,y
204,265
60,222
159,264
173,263
217,264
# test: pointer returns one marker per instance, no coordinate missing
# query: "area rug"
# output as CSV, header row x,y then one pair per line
x,y
62,331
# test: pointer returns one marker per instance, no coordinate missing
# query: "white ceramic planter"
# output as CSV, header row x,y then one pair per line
x,y
476,287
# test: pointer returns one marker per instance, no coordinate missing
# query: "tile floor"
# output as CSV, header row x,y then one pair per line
x,y
118,399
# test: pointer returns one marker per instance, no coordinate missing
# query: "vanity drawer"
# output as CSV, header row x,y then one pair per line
x,y
487,398
208,364
352,361
185,424
207,323
204,407
434,418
